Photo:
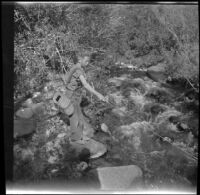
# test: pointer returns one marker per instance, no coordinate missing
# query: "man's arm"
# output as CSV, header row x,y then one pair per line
x,y
90,89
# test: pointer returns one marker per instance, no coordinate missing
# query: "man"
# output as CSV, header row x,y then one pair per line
x,y
69,103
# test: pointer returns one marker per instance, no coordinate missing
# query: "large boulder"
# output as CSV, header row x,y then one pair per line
x,y
158,72
24,127
25,113
24,122
32,109
118,178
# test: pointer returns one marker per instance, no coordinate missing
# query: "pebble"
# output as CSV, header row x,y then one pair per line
x,y
61,135
52,159
54,170
82,166
46,89
183,126
167,139
104,128
36,94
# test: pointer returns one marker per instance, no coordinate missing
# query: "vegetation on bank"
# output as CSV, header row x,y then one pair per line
x,y
53,36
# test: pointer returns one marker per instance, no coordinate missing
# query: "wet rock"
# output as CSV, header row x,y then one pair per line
x,y
160,95
38,108
126,91
151,110
140,82
102,137
24,127
190,139
164,126
177,82
28,103
182,127
154,108
104,128
54,149
191,174
121,177
131,67
158,72
27,154
136,84
25,113
96,148
32,109
146,78
61,135
168,114
157,153
136,128
84,155
167,139
171,127
53,171
117,80
174,119
191,106
193,124
116,156
82,166
52,159
36,94
101,162
191,94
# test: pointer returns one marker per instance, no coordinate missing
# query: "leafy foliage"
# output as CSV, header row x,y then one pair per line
x,y
129,31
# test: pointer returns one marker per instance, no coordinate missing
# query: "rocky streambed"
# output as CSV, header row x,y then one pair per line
x,y
147,125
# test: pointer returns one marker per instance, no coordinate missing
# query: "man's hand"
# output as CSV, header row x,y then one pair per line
x,y
106,99
102,98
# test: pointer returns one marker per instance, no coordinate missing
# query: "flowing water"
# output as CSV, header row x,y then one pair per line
x,y
149,127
